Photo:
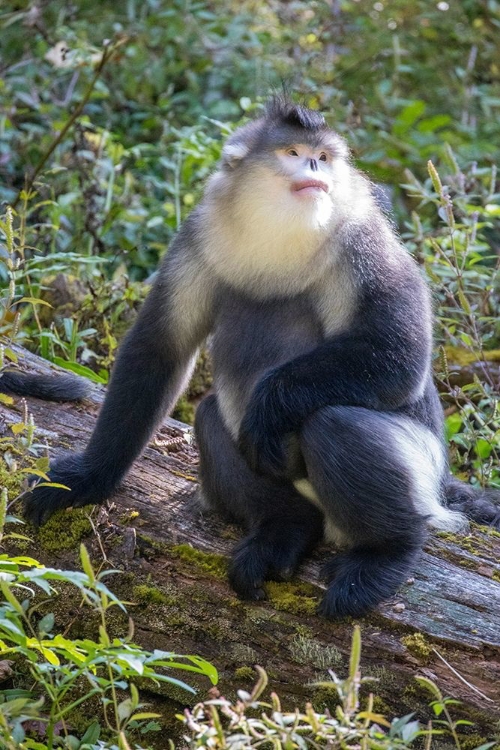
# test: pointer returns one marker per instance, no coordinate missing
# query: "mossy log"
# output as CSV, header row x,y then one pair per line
x,y
444,623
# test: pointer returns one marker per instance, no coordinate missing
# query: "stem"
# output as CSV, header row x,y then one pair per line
x,y
106,56
111,678
22,245
451,725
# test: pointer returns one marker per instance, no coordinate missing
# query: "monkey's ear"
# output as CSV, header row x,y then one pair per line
x,y
232,153
239,145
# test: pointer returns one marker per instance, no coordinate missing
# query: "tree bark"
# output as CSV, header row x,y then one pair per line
x,y
444,623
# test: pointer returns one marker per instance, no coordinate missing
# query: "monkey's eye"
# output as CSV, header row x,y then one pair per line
x,y
292,152
323,157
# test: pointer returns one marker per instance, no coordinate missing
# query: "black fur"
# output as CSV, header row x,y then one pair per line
x,y
149,370
281,111
56,388
378,363
363,485
481,506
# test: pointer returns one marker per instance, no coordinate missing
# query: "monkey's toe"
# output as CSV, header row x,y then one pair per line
x,y
273,551
332,608
247,572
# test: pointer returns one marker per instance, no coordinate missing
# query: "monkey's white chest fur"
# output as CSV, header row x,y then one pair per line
x,y
265,240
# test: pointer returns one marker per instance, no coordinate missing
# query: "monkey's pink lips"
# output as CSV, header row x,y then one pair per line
x,y
309,187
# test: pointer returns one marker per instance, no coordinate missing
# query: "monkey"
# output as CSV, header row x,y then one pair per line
x,y
324,420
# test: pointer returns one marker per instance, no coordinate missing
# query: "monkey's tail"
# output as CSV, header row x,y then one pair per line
x,y
361,578
479,505
46,387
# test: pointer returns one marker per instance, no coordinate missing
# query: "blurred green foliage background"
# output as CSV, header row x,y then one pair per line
x,y
399,79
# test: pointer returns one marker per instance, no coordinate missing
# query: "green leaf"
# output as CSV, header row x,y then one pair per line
x,y
54,484
36,473
92,734
133,662
135,695
410,731
35,301
430,686
408,116
45,648
491,209
46,624
483,448
453,424
9,354
9,596
125,709
75,367
138,717
86,564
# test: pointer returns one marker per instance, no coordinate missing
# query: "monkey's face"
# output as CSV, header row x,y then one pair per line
x,y
286,189
307,170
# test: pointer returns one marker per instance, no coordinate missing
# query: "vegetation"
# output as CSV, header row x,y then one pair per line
x,y
251,722
70,674
111,117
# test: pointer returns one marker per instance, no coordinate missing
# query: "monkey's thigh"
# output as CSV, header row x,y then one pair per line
x,y
283,525
373,473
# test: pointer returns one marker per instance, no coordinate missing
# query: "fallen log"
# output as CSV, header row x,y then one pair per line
x,y
444,623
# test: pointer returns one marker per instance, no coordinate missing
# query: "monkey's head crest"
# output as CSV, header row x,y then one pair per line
x,y
283,123
284,112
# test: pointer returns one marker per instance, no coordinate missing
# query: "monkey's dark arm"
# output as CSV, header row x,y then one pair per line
x,y
150,372
380,363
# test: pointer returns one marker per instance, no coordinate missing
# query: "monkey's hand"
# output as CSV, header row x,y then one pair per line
x,y
71,472
263,433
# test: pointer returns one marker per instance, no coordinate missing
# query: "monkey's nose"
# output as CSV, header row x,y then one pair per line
x,y
314,165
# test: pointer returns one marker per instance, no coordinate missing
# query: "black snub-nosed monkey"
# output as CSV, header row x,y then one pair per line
x,y
325,419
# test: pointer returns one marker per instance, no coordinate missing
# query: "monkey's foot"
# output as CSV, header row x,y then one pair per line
x,y
481,506
69,471
360,579
273,551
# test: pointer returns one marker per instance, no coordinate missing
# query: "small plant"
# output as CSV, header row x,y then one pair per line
x,y
68,673
440,707
457,252
250,722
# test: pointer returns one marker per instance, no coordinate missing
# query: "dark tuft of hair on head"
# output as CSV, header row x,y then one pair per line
x,y
285,112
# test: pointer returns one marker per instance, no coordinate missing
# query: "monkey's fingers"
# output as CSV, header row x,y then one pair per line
x,y
41,502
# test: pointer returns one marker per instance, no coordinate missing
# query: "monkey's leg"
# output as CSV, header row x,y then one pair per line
x,y
480,505
377,476
283,525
